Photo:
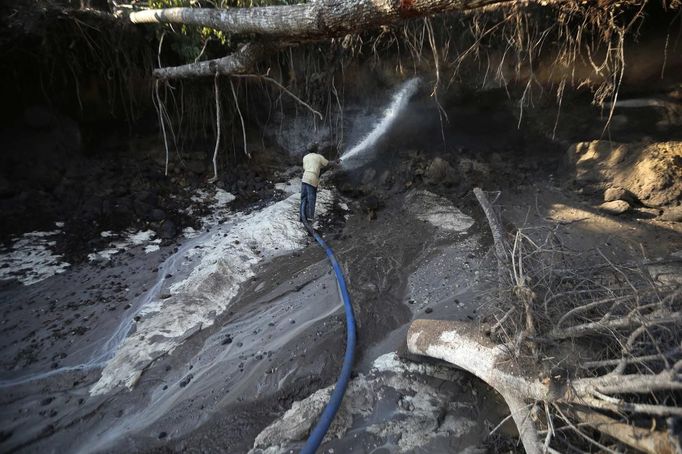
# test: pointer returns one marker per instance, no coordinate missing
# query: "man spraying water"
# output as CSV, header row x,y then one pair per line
x,y
312,166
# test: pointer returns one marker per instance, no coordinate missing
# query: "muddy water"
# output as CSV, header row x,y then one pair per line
x,y
280,340
215,341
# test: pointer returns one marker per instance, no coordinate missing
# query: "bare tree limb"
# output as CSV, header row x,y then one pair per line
x,y
242,61
217,128
499,240
586,329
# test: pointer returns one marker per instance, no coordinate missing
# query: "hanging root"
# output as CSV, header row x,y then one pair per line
x,y
241,119
217,128
158,105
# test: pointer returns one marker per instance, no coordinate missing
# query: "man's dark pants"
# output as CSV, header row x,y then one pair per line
x,y
308,199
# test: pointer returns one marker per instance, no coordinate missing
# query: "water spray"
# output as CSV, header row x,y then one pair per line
x,y
397,106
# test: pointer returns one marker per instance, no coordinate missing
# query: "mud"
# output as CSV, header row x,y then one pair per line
x,y
236,332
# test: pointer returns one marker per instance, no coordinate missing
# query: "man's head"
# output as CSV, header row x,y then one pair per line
x,y
314,148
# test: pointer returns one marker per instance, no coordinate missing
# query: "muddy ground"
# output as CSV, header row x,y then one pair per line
x,y
413,243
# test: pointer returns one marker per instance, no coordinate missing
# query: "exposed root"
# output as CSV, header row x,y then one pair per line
x,y
217,128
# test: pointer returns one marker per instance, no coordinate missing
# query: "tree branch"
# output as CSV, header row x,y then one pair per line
x,y
240,62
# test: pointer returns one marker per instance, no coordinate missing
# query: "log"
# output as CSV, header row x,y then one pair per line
x,y
449,341
315,20
460,344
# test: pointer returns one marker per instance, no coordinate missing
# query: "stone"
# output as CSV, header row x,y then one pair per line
x,y
167,230
615,207
157,215
615,193
438,211
438,170
467,165
673,214
368,176
646,213
652,172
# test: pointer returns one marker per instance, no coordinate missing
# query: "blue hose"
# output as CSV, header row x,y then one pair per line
x,y
317,435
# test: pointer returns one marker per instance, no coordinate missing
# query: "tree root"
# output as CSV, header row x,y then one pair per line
x,y
459,344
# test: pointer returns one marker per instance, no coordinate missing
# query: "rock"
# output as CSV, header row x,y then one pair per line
x,y
652,172
437,210
142,210
615,207
157,215
167,230
646,213
373,203
467,165
673,214
386,178
616,193
439,171
368,176
147,197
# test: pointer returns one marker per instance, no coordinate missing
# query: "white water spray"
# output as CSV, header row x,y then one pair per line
x,y
397,105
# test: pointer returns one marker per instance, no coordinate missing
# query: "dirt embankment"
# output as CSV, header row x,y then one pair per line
x,y
648,174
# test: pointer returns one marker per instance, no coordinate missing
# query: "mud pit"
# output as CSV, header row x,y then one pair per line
x,y
229,340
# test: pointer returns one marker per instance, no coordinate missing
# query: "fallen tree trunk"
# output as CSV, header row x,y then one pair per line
x,y
317,19
445,340
290,24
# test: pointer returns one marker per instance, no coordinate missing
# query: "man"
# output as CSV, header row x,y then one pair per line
x,y
312,165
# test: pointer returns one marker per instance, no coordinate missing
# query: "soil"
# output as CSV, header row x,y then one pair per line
x,y
281,338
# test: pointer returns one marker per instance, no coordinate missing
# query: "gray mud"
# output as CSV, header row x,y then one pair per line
x,y
281,339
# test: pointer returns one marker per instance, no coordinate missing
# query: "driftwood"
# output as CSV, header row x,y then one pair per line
x,y
444,340
458,344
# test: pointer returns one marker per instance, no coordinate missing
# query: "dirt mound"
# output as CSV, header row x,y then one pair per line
x,y
650,171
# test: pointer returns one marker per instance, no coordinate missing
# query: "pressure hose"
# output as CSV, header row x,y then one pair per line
x,y
317,435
